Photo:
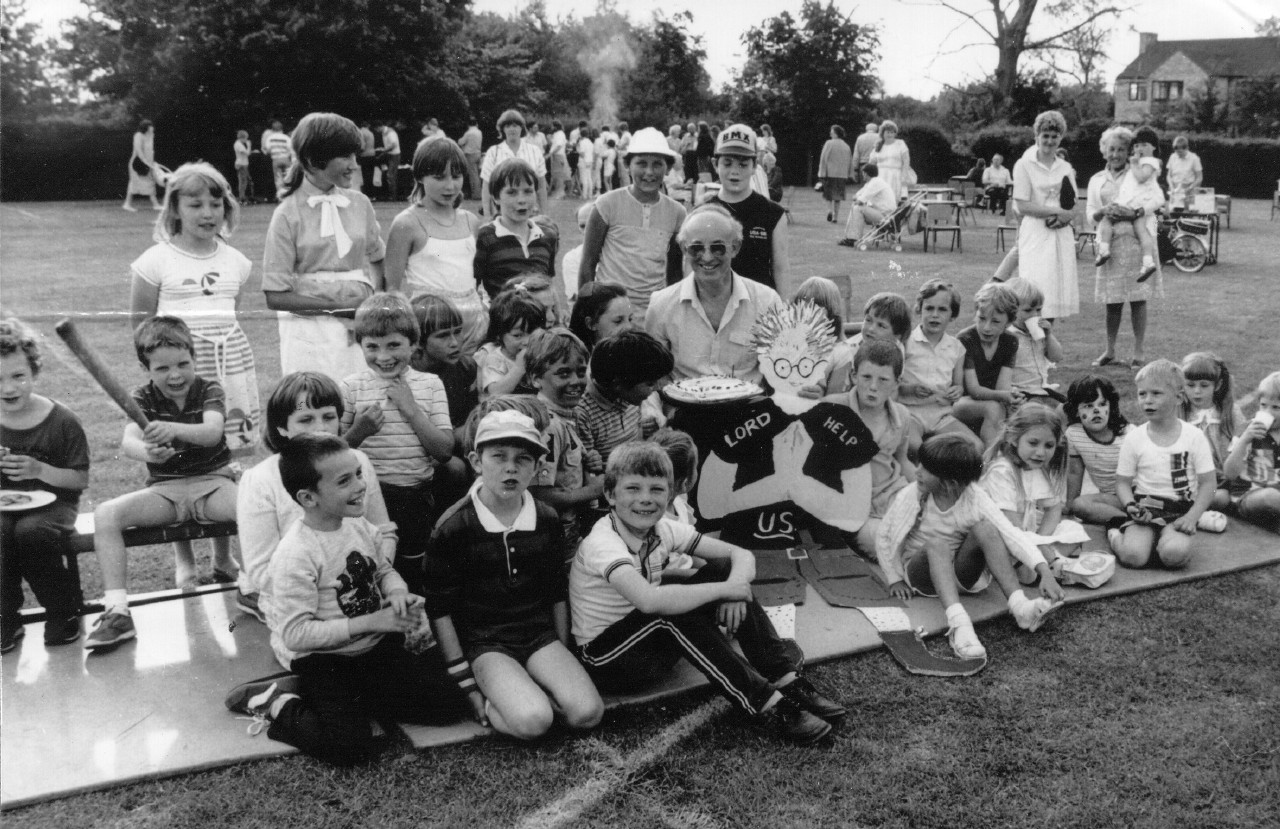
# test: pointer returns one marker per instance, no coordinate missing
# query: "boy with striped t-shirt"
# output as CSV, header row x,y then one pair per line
x,y
399,417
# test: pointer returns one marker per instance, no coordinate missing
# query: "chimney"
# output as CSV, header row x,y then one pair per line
x,y
1146,40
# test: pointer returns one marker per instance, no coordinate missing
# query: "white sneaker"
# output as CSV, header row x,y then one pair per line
x,y
1212,521
1030,613
964,642
1114,538
1041,607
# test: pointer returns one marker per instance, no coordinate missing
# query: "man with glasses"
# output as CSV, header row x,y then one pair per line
x,y
707,317
763,256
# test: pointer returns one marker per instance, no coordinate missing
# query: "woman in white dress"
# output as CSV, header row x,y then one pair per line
x,y
1046,242
892,158
142,164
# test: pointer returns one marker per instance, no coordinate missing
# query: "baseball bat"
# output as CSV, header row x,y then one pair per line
x,y
93,363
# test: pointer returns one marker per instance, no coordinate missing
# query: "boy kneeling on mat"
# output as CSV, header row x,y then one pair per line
x,y
631,627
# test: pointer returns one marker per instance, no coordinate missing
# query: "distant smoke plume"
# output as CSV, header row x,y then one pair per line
x,y
605,62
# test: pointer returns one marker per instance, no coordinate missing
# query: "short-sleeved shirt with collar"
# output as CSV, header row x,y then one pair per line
x,y
929,365
596,604
191,460
677,319
604,424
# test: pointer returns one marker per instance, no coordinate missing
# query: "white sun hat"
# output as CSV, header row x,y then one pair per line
x,y
649,141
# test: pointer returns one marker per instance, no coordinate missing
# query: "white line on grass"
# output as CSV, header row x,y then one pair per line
x,y
585,795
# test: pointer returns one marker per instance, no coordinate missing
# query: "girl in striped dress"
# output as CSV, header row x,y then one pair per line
x,y
192,273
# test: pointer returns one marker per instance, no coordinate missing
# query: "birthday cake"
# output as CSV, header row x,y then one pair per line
x,y
713,389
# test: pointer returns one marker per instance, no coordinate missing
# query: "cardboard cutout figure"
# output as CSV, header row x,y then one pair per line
x,y
775,466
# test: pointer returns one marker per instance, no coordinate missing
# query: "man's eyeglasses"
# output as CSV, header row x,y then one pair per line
x,y
717,249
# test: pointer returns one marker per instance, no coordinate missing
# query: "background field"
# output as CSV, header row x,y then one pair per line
x,y
1152,710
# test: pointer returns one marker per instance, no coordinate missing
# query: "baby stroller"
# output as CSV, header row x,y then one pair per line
x,y
890,230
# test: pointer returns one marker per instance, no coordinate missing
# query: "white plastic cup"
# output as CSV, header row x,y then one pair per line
x,y
1034,329
1267,419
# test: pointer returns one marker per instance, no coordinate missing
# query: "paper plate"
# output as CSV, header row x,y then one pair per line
x,y
16,500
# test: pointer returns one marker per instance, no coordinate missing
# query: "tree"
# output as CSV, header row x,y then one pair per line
x,y
24,63
1007,26
802,78
669,79
195,63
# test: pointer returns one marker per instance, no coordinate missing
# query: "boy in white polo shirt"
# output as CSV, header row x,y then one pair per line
x,y
631,625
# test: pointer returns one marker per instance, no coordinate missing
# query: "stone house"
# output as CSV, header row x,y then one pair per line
x,y
1167,73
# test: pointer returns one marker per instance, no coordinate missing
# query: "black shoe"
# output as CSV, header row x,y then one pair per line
x,y
793,724
10,638
802,693
61,631
848,243
1146,273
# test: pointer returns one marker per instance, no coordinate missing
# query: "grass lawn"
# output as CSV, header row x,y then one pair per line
x,y
1153,710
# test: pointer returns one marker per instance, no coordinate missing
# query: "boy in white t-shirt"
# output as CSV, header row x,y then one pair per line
x,y
1135,190
1165,476
632,626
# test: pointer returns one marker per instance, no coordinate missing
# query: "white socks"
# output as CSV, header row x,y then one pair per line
x,y
116,601
964,641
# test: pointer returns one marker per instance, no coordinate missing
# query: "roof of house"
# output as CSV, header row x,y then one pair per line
x,y
1225,57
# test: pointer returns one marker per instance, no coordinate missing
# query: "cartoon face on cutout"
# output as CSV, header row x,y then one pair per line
x,y
794,344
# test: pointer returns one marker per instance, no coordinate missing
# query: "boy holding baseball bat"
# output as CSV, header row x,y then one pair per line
x,y
187,463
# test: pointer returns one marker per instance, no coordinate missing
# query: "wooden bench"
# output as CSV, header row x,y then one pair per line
x,y
81,541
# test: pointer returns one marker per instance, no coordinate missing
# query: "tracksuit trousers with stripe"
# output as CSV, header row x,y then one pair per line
x,y
641,648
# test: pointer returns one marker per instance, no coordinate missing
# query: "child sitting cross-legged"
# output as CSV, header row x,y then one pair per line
x,y
625,371
1165,476
1254,457
933,368
943,535
1026,477
877,367
187,458
557,364
338,615
1210,405
990,353
631,626
400,418
1095,429
497,594
1038,348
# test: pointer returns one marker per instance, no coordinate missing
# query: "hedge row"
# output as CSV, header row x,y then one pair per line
x,y
1247,168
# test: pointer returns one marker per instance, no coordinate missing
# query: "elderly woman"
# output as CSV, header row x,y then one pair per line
x,y
1184,173
1046,242
630,235
892,158
706,318
511,129
1114,281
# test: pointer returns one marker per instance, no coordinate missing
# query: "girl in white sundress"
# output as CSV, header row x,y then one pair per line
x,y
323,252
192,273
432,245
